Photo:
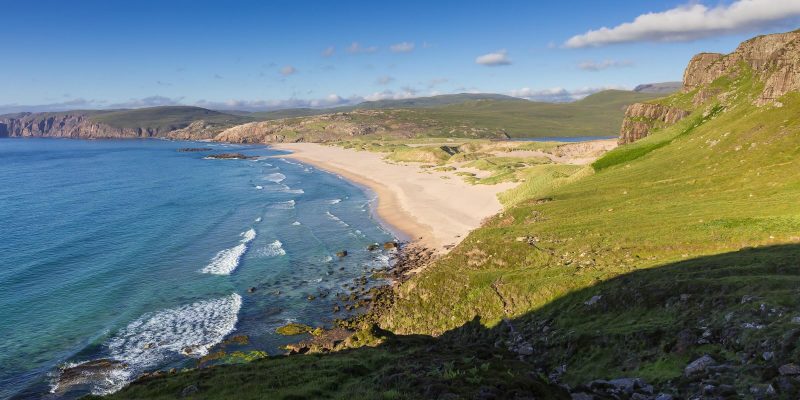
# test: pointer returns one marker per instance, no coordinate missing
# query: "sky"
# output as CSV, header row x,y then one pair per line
x,y
258,55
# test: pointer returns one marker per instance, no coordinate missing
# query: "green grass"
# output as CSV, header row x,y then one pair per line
x,y
724,179
165,118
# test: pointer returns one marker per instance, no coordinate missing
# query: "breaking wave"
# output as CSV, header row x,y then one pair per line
x,y
273,249
227,260
188,330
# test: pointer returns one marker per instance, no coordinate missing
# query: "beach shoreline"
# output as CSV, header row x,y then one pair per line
x,y
415,203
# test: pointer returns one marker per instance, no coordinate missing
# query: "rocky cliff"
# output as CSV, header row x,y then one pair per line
x,y
67,124
774,61
641,118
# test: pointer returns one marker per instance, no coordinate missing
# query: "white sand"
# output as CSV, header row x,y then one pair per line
x,y
432,208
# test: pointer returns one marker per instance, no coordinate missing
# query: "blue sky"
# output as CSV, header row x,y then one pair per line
x,y
259,55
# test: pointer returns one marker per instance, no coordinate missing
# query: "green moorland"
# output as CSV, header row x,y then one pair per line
x,y
683,244
165,118
599,114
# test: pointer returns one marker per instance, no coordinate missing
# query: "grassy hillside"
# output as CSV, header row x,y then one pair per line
x,y
165,118
681,244
597,115
489,115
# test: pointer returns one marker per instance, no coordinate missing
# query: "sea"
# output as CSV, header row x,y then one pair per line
x,y
137,253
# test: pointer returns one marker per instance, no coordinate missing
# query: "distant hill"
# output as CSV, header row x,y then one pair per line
x,y
416,102
471,115
165,118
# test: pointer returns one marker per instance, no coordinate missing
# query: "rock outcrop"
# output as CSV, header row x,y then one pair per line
x,y
641,118
67,124
773,59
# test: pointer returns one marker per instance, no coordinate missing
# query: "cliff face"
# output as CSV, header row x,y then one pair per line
x,y
773,59
641,118
72,125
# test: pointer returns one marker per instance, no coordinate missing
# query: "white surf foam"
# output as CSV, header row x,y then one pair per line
x,y
227,260
276,177
259,187
283,205
258,219
334,201
335,218
189,330
295,223
273,249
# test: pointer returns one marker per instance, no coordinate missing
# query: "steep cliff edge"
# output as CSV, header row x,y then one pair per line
x,y
68,124
771,60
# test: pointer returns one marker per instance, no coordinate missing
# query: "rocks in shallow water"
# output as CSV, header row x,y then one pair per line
x,y
390,245
293,329
698,366
251,289
372,247
193,149
341,254
86,374
230,156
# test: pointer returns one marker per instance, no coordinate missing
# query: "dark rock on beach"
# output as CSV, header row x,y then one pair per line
x,y
230,156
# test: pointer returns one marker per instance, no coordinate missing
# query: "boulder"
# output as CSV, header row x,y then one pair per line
x,y
789,369
698,366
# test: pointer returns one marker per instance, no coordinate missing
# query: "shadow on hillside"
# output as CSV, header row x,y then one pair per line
x,y
738,307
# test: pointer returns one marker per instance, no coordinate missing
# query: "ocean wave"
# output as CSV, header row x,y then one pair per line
x,y
227,260
259,187
335,218
334,201
295,223
273,249
281,188
258,219
276,177
154,338
283,205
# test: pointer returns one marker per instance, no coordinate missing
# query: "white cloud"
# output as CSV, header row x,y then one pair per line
x,y
356,48
404,47
692,21
385,80
557,94
151,101
288,70
605,64
405,93
329,51
497,58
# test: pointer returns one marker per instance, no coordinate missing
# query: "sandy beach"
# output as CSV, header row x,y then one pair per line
x,y
429,207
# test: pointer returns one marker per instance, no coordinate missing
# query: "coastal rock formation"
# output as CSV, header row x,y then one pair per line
x,y
641,118
68,124
773,59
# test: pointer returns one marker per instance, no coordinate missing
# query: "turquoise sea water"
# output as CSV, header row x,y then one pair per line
x,y
133,251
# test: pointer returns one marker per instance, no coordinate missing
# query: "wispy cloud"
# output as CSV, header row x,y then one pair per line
x,y
605,64
385,80
288,70
357,48
558,95
150,101
329,51
403,47
692,21
405,93
495,59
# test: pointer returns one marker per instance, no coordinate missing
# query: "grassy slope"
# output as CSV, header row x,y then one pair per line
x,y
711,184
165,118
462,116
597,115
